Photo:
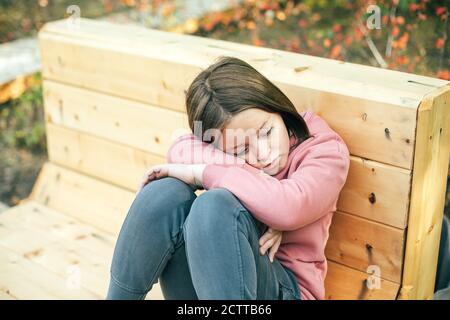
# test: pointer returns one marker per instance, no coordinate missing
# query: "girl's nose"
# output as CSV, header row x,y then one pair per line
x,y
263,151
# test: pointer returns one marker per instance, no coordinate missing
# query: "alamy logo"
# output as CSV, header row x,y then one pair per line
x,y
374,20
374,280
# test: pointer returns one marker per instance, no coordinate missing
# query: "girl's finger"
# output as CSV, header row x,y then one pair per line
x,y
146,180
273,250
266,246
266,236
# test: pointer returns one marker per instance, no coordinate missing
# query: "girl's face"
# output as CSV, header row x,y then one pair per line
x,y
258,137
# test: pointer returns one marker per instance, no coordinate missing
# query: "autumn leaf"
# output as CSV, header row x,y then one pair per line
x,y
348,40
444,74
440,10
403,41
280,15
257,42
413,7
337,28
395,31
251,25
335,51
302,23
439,43
402,60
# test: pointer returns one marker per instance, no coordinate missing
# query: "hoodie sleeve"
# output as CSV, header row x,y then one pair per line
x,y
188,149
288,204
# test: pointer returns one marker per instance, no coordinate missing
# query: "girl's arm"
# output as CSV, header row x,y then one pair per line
x,y
292,203
188,149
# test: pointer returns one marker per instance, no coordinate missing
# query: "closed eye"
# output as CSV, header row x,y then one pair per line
x,y
244,151
268,132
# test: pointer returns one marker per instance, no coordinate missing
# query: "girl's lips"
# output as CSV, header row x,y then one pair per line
x,y
271,163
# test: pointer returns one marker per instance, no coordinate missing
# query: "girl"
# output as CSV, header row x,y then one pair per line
x,y
271,177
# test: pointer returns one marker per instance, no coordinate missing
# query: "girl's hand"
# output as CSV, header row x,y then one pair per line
x,y
270,239
189,173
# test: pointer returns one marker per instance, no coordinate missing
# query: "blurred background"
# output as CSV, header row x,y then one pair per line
x,y
413,38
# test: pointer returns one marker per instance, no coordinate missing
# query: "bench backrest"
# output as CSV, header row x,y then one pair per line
x,y
114,97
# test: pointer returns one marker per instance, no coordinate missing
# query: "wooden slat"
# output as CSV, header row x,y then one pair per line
x,y
23,279
90,200
360,243
61,245
126,165
174,47
5,295
376,120
140,125
344,283
431,159
103,159
377,192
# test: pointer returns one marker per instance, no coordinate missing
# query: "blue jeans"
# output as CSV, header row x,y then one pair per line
x,y
442,285
204,247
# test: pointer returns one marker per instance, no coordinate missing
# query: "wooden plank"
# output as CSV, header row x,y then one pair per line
x,y
344,283
88,154
5,295
141,125
362,244
431,160
90,200
376,192
62,245
23,279
59,244
183,48
376,120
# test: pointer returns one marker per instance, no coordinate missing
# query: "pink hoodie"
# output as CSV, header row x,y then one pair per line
x,y
300,200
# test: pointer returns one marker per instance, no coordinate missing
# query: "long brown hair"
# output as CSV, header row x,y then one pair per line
x,y
231,85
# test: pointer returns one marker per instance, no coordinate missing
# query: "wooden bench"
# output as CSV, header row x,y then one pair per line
x,y
114,100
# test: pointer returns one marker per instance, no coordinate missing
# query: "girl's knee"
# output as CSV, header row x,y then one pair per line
x,y
162,191
213,208
168,186
160,196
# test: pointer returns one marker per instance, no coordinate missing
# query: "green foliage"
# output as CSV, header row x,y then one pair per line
x,y
22,120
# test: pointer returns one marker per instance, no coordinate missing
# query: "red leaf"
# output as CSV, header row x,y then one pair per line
x,y
439,43
302,23
440,10
413,7
337,28
444,74
395,31
335,51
